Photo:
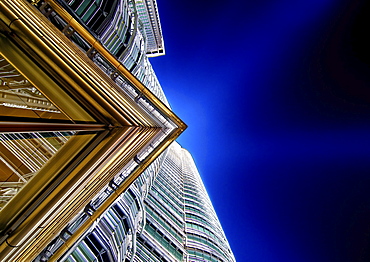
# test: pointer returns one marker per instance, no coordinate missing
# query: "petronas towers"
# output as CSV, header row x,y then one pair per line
x,y
90,167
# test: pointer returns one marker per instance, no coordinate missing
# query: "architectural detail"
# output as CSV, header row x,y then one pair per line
x,y
166,215
89,170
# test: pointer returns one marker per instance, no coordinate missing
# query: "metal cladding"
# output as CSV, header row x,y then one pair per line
x,y
89,167
166,215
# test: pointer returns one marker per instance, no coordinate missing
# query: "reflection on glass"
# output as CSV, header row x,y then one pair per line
x,y
19,98
22,155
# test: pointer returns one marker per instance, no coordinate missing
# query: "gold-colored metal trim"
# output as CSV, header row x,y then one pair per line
x,y
120,67
22,127
74,82
44,176
83,180
42,81
69,242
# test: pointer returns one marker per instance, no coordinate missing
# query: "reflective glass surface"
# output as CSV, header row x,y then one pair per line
x,y
22,155
19,98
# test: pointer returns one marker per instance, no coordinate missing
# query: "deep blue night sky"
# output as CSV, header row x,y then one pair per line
x,y
276,95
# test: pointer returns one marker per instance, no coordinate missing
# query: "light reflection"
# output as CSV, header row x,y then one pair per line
x,y
19,98
22,155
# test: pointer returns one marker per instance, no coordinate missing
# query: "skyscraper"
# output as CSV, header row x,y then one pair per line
x,y
166,215
86,173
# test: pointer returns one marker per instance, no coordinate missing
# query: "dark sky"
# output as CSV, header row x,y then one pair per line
x,y
276,95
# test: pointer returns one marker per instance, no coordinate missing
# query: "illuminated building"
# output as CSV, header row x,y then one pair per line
x,y
166,215
83,137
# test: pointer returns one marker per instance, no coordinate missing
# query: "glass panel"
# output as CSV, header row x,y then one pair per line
x,y
22,155
89,13
81,9
19,98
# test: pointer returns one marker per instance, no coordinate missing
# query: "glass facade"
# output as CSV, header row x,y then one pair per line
x,y
127,33
165,214
206,240
20,98
172,220
23,155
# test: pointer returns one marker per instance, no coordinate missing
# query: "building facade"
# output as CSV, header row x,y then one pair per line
x,y
166,215
89,167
